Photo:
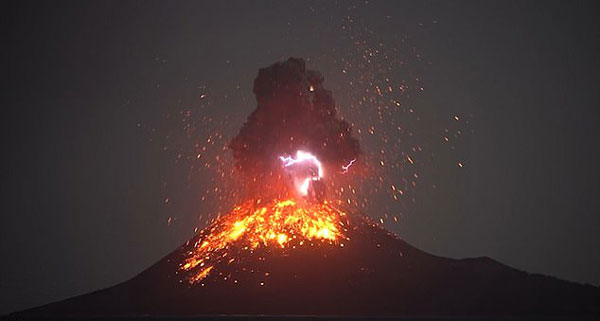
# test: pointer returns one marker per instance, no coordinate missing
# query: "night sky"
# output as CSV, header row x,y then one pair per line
x,y
92,91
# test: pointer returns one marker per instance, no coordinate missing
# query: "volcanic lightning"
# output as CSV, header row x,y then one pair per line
x,y
305,168
347,166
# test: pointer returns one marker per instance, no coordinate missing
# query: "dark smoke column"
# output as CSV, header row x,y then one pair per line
x,y
294,112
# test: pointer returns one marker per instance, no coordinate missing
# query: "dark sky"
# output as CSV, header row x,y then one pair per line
x,y
84,84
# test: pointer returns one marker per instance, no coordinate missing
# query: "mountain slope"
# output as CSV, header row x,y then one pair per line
x,y
374,273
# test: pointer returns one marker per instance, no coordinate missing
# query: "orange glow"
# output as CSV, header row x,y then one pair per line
x,y
279,223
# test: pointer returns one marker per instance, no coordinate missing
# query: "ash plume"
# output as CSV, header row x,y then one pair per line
x,y
293,112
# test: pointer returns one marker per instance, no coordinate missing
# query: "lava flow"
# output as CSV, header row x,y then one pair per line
x,y
281,223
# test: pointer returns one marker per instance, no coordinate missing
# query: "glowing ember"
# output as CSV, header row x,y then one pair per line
x,y
280,223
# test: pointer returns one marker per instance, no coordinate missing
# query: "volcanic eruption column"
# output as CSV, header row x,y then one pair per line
x,y
289,145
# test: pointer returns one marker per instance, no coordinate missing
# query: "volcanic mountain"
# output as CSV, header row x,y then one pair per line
x,y
368,271
299,252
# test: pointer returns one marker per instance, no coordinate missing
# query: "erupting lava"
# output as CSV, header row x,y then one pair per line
x,y
290,99
280,223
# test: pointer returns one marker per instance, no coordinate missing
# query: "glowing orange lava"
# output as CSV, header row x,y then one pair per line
x,y
279,223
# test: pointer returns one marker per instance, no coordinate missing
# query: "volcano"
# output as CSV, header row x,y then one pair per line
x,y
373,273
292,248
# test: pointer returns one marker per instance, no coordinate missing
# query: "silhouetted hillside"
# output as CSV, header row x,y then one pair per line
x,y
374,273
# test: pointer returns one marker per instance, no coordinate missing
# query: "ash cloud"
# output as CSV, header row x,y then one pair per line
x,y
293,112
